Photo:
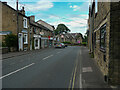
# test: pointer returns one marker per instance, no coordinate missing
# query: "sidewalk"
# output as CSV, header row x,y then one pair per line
x,y
14,54
91,73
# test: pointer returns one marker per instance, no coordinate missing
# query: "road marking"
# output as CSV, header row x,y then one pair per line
x,y
17,71
73,84
80,72
47,57
80,80
87,69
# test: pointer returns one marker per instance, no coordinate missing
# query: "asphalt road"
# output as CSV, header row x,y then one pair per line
x,y
69,67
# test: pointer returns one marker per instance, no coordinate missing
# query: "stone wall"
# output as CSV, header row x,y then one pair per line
x,y
114,67
108,60
9,18
102,17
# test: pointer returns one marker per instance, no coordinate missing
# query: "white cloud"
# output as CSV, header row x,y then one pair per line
x,y
38,5
75,7
83,7
77,25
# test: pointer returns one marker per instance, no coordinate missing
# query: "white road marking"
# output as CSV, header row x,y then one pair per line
x,y
47,57
80,80
80,71
17,71
87,69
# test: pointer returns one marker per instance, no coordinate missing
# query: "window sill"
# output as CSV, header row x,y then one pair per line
x,y
25,43
102,50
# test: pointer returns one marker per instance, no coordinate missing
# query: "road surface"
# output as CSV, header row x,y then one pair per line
x,y
69,67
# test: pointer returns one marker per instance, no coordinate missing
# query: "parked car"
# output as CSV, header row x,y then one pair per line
x,y
60,45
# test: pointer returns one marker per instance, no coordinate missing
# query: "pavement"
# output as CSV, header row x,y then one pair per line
x,y
68,68
14,54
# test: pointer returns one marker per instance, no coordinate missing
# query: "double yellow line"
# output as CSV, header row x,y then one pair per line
x,y
72,80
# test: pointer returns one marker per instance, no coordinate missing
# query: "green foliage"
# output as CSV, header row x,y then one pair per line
x,y
85,38
66,42
84,43
92,55
79,35
61,28
10,40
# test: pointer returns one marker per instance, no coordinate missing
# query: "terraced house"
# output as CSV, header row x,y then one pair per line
x,y
31,34
104,38
11,24
41,34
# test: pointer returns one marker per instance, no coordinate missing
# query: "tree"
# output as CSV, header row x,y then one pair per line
x,y
61,28
85,38
10,40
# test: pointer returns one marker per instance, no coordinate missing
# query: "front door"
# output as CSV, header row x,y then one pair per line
x,y
20,41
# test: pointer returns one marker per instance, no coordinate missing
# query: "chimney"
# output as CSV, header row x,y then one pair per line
x,y
32,18
4,3
22,11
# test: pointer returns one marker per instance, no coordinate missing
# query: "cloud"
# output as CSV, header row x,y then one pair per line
x,y
83,8
77,25
33,7
75,7
40,5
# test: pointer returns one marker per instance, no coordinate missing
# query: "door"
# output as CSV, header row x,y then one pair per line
x,y
20,41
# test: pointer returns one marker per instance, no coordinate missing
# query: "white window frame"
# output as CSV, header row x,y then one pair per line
x,y
26,37
24,22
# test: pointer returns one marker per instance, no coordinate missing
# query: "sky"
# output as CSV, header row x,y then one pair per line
x,y
72,13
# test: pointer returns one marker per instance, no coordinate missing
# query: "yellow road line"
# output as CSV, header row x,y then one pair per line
x,y
73,84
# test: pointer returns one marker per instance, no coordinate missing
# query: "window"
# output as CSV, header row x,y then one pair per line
x,y
103,37
25,22
25,39
96,6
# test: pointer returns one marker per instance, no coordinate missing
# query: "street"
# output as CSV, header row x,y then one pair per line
x,y
69,67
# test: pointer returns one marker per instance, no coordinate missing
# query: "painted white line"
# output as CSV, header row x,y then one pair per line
x,y
80,80
80,72
17,71
87,69
47,57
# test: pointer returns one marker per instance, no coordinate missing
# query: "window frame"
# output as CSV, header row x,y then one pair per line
x,y
24,22
103,37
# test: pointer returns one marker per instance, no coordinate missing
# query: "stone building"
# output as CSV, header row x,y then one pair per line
x,y
41,34
17,26
74,38
106,37
46,34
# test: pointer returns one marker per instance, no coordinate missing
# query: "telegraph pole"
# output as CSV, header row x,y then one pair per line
x,y
17,26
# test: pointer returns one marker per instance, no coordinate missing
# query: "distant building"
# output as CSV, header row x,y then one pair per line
x,y
75,38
